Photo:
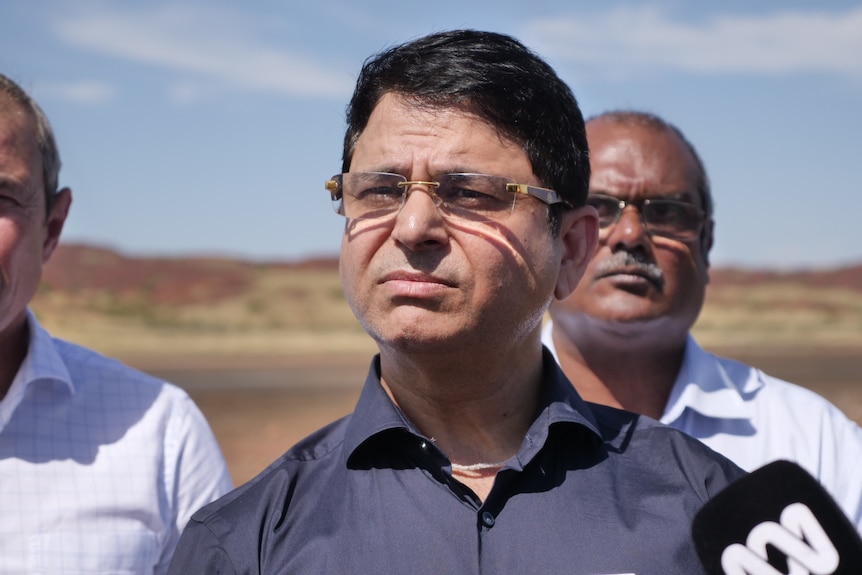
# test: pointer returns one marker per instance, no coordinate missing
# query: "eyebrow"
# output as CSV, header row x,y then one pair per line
x,y
453,170
387,170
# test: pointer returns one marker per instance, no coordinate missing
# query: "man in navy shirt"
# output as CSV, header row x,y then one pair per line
x,y
465,174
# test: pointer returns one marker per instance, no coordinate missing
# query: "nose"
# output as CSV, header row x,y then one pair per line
x,y
628,232
419,224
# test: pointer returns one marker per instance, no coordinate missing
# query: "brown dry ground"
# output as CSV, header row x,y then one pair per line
x,y
246,339
259,407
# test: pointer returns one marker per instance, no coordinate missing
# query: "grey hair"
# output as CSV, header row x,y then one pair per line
x,y
45,140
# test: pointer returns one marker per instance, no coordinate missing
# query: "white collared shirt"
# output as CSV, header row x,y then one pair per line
x,y
101,466
753,419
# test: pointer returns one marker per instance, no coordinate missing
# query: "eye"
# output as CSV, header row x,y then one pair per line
x,y
10,199
462,192
379,191
373,187
607,207
476,191
668,212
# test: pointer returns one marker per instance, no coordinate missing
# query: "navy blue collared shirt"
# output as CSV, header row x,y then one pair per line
x,y
592,490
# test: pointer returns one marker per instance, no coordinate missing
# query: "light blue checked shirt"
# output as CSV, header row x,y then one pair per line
x,y
101,466
753,419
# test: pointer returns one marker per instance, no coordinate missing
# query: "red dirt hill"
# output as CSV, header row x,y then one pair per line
x,y
171,281
183,280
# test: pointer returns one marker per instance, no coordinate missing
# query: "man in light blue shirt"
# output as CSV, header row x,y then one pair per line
x,y
101,466
623,336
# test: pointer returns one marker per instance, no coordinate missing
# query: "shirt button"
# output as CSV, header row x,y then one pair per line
x,y
488,519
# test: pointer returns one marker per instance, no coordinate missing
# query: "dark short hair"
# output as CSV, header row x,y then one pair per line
x,y
44,135
655,123
500,80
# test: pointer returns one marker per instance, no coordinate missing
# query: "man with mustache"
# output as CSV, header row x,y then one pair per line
x,y
623,336
463,188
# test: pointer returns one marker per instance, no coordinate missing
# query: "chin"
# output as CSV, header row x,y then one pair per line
x,y
653,328
631,311
417,345
397,332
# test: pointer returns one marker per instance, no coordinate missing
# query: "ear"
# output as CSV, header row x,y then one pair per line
x,y
580,235
55,221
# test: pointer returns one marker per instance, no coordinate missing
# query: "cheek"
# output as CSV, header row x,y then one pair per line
x,y
349,270
356,263
587,296
685,276
593,266
12,246
20,258
589,287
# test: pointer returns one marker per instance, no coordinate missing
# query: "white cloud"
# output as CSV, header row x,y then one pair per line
x,y
84,92
213,44
632,39
184,93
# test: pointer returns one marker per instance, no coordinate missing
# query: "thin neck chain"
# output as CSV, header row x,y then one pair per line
x,y
477,466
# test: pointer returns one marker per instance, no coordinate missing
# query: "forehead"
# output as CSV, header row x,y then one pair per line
x,y
17,129
407,137
19,151
640,159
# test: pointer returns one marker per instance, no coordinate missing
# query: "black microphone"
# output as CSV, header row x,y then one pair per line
x,y
777,520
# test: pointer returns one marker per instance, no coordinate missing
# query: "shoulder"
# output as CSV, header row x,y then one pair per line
x,y
302,470
106,388
728,386
649,448
244,524
779,399
90,369
622,429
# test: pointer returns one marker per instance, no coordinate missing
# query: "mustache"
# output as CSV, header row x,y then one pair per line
x,y
631,262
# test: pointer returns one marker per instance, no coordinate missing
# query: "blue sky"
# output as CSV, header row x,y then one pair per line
x,y
209,127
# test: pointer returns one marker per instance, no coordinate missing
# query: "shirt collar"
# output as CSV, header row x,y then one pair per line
x,y
711,387
704,384
375,413
41,364
560,403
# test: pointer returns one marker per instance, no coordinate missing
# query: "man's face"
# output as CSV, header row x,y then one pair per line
x,y
636,279
419,281
27,236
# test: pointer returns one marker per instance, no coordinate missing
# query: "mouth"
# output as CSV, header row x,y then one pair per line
x,y
414,276
414,284
635,275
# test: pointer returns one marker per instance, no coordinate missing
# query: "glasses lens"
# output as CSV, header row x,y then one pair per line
x,y
673,219
607,207
371,194
475,196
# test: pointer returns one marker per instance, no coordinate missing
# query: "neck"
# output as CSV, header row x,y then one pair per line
x,y
477,410
14,341
632,374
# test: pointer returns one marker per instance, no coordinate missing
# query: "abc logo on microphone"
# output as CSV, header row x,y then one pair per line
x,y
777,520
